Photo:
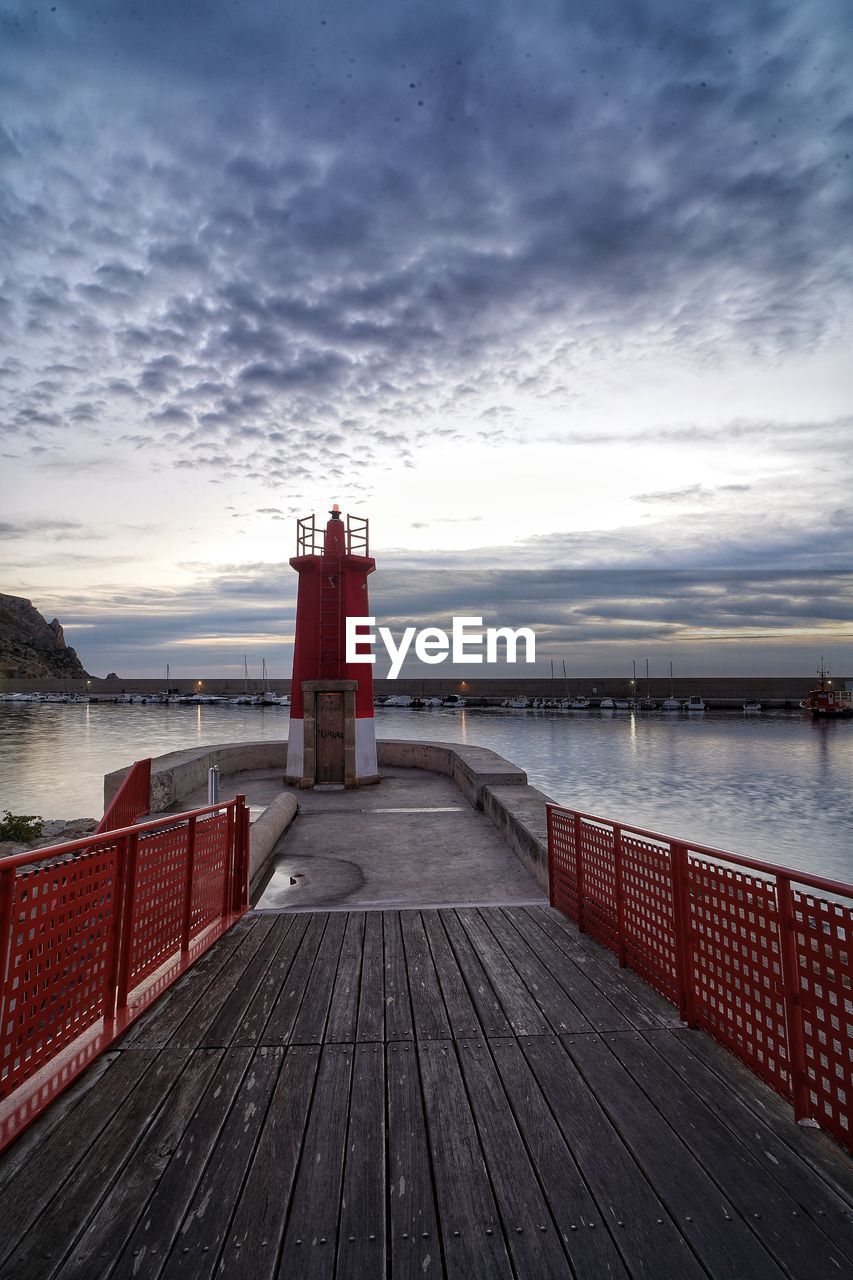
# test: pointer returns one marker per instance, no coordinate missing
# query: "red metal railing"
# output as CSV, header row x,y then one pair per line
x,y
93,930
131,801
311,536
759,956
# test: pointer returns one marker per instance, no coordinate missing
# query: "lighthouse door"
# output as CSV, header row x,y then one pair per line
x,y
330,738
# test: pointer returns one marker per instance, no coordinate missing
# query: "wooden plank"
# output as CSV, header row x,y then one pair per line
x,y
782,1144
192,1028
40,1180
228,1023
470,1228
460,1010
280,1026
39,1132
204,1228
706,1217
640,1003
252,1028
517,1002
597,1008
159,1023
257,1228
310,1024
48,1241
490,1014
816,1149
533,1241
361,1238
628,1207
310,1240
145,1254
371,1005
793,1227
592,1253
427,1004
113,1224
412,1220
398,1010
343,1010
556,1006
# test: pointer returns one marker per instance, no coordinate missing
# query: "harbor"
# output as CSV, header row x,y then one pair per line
x,y
350,1001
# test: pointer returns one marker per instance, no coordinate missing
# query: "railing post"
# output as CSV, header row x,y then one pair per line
x,y
186,924
787,924
619,895
127,922
239,880
119,890
683,934
579,871
549,816
7,890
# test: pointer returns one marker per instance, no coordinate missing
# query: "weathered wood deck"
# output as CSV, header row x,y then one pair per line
x,y
475,1093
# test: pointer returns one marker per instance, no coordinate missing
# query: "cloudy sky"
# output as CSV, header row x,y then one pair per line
x,y
560,290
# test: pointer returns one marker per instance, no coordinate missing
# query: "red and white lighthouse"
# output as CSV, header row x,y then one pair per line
x,y
332,737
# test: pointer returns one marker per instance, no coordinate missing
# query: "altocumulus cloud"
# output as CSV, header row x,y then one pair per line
x,y
366,212
272,243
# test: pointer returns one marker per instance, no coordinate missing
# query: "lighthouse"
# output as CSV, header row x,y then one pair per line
x,y
332,739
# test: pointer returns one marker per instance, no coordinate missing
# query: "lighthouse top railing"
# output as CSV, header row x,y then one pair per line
x,y
311,536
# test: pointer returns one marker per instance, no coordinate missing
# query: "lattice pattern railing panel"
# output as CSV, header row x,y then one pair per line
x,y
561,858
598,875
160,888
58,960
647,896
738,990
131,801
824,945
210,868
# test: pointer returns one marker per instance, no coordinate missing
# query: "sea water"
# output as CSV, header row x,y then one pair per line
x,y
776,786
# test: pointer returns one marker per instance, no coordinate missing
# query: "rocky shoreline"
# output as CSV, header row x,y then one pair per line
x,y
54,831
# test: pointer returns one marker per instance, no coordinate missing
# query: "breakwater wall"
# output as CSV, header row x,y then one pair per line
x,y
770,689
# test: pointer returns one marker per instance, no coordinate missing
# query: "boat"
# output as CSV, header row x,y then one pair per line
x,y
432,702
671,703
607,704
648,703
751,707
694,703
400,700
827,703
516,704
622,704
580,703
454,702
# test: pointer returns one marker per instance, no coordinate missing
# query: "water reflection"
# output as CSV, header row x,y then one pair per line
x,y
778,787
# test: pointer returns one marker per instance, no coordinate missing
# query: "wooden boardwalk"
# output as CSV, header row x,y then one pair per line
x,y
469,1093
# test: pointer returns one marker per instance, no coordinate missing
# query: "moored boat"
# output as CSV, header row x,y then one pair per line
x,y
825,702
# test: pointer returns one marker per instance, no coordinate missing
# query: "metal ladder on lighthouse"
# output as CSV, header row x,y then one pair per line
x,y
330,616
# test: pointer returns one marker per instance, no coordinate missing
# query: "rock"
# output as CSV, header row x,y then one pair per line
x,y
31,647
54,831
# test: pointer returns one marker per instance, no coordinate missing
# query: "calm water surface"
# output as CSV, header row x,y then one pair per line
x,y
775,786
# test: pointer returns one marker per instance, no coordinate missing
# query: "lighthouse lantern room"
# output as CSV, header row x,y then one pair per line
x,y
332,739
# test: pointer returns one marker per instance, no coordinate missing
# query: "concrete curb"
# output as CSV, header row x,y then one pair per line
x,y
519,814
265,832
471,768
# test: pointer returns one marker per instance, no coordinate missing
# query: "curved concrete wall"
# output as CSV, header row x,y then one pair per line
x,y
487,780
178,774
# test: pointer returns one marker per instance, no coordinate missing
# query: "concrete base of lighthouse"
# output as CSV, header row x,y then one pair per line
x,y
329,746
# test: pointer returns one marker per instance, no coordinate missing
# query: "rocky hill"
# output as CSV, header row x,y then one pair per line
x,y
32,647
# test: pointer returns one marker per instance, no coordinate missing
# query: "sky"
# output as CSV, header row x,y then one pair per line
x,y
558,296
